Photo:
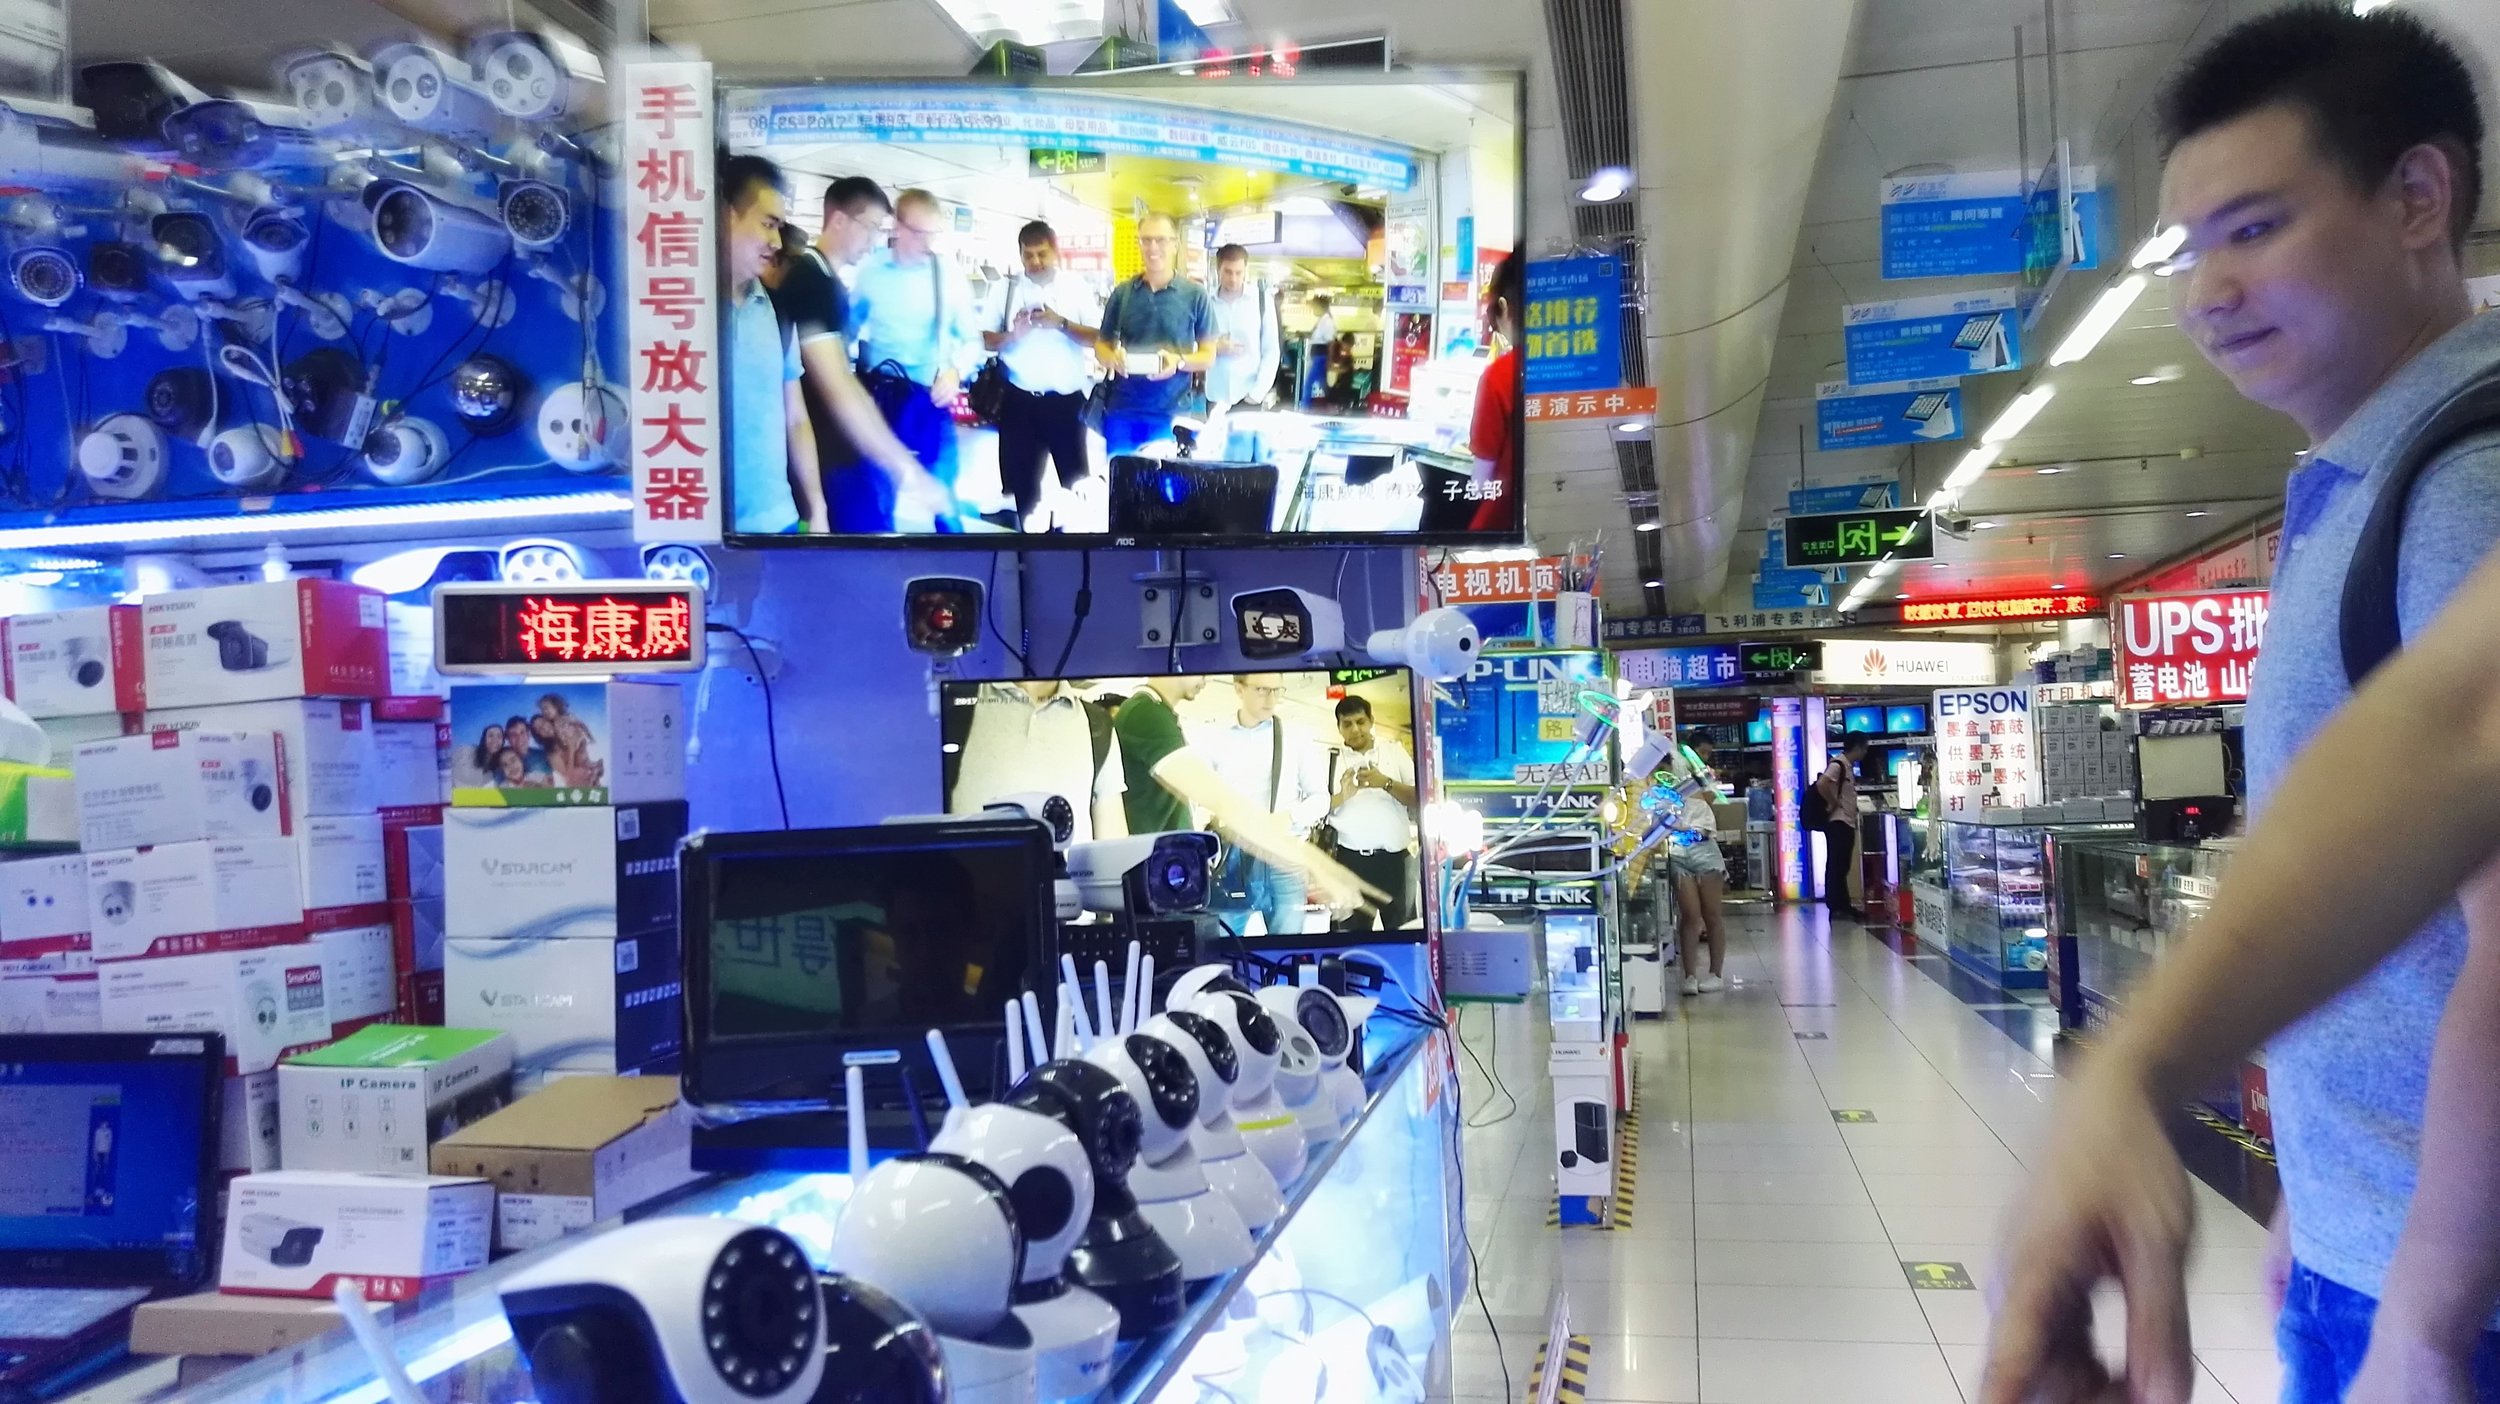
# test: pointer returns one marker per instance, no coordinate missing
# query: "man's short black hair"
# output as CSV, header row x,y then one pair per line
x,y
1854,741
737,178
1510,282
2372,86
1036,234
855,196
1352,706
1230,252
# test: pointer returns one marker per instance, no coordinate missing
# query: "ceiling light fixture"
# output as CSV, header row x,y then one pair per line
x,y
2057,587
1940,565
2051,471
1983,526
1631,426
2018,415
2197,514
1607,183
1940,499
2117,555
2160,248
2370,7
1902,596
2103,316
2146,380
1653,584
1883,568
1644,526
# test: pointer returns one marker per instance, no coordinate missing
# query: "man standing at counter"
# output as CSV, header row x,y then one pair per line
x,y
1158,329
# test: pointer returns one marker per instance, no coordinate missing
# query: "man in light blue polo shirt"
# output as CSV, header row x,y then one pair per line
x,y
910,306
774,484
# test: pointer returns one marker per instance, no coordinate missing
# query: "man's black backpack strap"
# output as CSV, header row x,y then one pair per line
x,y
2371,629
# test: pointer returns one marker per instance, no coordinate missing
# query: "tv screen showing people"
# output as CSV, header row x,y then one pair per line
x,y
1131,308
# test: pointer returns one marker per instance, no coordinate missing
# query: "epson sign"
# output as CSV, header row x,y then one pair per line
x,y
1983,702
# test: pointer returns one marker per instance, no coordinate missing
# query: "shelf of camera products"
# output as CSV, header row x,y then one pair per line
x,y
383,290
1358,1276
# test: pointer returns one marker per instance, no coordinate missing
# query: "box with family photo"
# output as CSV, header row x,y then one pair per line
x,y
566,743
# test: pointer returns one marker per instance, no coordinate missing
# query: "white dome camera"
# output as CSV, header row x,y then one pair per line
x,y
1146,874
424,228
1286,622
404,450
247,456
582,426
87,660
123,457
276,240
711,1311
1441,644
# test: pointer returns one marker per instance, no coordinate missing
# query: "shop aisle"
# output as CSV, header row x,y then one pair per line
x,y
1764,1264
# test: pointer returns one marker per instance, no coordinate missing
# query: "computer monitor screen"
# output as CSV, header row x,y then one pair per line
x,y
1282,287
1867,721
1758,731
2182,767
1905,720
109,1143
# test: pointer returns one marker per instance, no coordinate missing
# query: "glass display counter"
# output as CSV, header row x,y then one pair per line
x,y
1996,881
2121,902
1361,1274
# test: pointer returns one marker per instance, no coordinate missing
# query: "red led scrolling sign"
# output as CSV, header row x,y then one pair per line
x,y
572,628
1988,611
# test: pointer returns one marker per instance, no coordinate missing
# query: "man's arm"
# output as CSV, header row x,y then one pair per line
x,y
1111,794
1267,836
1403,791
807,480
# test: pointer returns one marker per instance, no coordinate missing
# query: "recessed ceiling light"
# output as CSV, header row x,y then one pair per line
x,y
1983,526
1631,426
1902,596
2146,380
1644,526
1940,565
1654,584
2197,514
2057,587
1608,183
2117,555
2051,471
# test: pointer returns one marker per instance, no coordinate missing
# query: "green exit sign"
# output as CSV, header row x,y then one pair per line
x,y
1062,161
1780,660
1859,538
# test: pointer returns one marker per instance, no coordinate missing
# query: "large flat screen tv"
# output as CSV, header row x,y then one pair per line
x,y
1142,309
1317,747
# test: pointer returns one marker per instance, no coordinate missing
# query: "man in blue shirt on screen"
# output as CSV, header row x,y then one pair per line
x,y
1158,330
774,485
910,307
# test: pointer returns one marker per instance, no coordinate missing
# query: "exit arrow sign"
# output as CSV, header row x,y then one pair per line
x,y
1858,538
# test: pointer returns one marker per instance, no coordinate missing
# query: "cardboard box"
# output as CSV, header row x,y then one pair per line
x,y
247,1124
214,1323
377,1099
264,640
417,934
185,898
38,807
578,1151
576,743
342,863
43,906
561,872
411,745
359,976
179,787
412,858
328,743
77,662
589,1003
293,1233
53,994
266,1002
420,1000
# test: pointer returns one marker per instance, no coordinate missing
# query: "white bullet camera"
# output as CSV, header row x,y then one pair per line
x,y
333,89
1285,622
1441,644
709,1311
279,1240
1144,874
433,91
405,450
538,75
231,133
425,228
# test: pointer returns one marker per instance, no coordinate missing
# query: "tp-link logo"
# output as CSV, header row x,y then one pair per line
x,y
506,868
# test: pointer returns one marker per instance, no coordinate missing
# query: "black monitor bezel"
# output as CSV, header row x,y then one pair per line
x,y
133,1267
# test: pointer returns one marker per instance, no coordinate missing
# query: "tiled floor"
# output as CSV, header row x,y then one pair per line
x,y
1764,1263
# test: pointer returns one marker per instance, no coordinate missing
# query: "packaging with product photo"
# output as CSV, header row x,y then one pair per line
x,y
73,663
67,734
343,869
266,1002
359,976
53,994
561,872
185,898
590,1004
411,763
531,745
377,1100
576,1152
264,640
328,743
247,1124
180,786
43,906
297,1233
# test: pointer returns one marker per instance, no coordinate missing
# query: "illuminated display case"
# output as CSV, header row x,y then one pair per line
x,y
1996,880
1361,1275
2121,904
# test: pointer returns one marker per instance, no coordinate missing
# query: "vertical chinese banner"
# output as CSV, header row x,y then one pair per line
x,y
672,327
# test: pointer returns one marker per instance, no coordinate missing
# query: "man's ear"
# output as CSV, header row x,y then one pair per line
x,y
2426,183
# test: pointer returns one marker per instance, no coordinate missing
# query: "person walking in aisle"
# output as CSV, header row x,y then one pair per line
x,y
1247,350
1833,808
1165,319
1371,806
2323,171
1043,332
908,310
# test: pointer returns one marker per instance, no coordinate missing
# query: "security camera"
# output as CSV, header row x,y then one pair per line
x,y
239,650
334,90
247,456
1440,644
227,133
123,457
942,615
258,791
115,900
537,75
1285,622
425,228
1144,874
583,427
1213,977
688,1310
405,450
191,255
44,275
276,238
676,562
539,560
433,91
1052,811
279,1240
118,269
131,100
536,212
86,660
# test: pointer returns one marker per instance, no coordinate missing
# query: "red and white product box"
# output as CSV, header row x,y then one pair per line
x,y
247,1124
298,1233
52,994
267,1003
420,999
328,742
78,662
189,898
412,752
341,858
43,906
180,787
2256,1102
251,643
359,977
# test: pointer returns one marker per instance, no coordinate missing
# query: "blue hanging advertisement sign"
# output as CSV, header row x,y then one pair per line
x,y
1873,416
1932,338
1572,331
1963,225
1516,720
1778,585
1842,497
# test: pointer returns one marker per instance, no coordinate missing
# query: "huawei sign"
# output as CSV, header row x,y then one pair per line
x,y
1907,662
1873,662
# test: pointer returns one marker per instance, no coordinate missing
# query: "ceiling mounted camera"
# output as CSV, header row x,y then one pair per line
x,y
536,212
182,400
486,393
325,395
434,92
405,450
247,456
46,277
1285,622
1441,644
116,269
192,255
427,229
239,133
675,562
123,458
538,75
540,560
582,426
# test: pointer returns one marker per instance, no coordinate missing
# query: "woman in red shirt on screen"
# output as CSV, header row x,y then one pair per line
x,y
1493,437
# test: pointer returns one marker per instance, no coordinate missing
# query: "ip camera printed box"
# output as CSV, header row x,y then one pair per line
x,y
359,976
328,743
179,787
585,1004
379,1099
265,1002
187,898
296,1233
265,640
578,1151
533,745
43,906
601,872
53,994
411,748
344,870
74,663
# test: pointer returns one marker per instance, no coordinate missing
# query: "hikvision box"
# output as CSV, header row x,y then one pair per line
x,y
359,976
561,872
595,1004
377,1100
253,642
51,994
247,1124
185,898
341,859
178,787
265,1002
43,906
295,1233
411,737
329,744
74,663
